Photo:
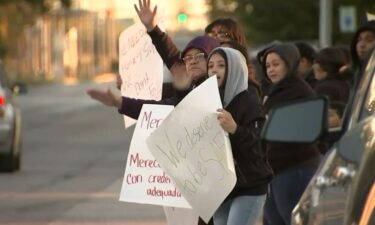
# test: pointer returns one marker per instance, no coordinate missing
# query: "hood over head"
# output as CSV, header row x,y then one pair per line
x,y
289,53
367,26
236,76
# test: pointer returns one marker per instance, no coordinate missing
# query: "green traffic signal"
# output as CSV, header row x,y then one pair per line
x,y
182,18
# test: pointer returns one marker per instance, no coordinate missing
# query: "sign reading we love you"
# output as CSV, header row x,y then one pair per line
x,y
144,181
194,150
140,66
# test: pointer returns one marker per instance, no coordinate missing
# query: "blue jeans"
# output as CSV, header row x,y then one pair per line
x,y
242,210
286,189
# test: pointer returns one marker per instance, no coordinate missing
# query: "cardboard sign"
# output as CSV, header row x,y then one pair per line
x,y
144,181
140,66
194,150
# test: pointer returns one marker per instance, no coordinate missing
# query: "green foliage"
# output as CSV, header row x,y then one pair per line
x,y
66,3
268,20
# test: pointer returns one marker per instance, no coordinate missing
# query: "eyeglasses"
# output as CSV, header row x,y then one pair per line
x,y
191,58
219,35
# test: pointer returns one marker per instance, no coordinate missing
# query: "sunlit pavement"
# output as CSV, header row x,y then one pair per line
x,y
55,196
112,211
71,177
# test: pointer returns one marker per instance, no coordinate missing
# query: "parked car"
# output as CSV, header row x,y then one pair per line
x,y
343,190
10,126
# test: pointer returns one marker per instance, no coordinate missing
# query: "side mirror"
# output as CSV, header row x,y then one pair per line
x,y
303,121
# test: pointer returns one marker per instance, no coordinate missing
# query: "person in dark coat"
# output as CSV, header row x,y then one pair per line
x,y
328,69
293,164
242,116
308,55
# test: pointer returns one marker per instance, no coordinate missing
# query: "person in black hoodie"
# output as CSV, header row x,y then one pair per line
x,y
362,43
308,55
328,71
242,117
293,164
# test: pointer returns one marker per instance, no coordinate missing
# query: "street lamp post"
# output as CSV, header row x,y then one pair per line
x,y
325,23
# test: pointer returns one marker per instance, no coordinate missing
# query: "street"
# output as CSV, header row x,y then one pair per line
x,y
73,161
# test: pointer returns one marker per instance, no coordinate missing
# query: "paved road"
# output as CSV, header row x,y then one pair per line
x,y
74,155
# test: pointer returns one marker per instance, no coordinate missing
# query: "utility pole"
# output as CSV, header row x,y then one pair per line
x,y
325,23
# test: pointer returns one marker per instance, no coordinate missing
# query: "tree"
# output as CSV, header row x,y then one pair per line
x,y
362,6
268,20
20,14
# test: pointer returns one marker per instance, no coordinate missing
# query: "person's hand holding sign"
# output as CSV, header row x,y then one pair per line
x,y
226,121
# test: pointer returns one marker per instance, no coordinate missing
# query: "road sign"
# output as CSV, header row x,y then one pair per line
x,y
347,19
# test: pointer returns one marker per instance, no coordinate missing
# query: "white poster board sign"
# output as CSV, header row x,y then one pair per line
x,y
144,181
140,66
370,16
194,150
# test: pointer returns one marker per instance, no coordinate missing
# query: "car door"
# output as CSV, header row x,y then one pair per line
x,y
336,182
338,192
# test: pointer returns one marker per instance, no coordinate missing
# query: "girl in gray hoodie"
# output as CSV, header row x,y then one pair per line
x,y
242,117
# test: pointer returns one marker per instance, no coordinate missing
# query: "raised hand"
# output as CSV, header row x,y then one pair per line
x,y
107,98
147,16
226,121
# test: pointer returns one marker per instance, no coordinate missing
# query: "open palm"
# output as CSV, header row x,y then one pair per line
x,y
145,14
105,97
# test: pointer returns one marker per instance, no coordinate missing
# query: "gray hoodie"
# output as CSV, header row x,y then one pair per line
x,y
236,74
289,53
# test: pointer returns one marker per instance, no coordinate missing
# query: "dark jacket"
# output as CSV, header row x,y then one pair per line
x,y
282,156
336,89
167,50
310,79
367,26
252,168
289,89
169,53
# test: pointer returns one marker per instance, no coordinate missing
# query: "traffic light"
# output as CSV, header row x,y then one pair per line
x,y
182,17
